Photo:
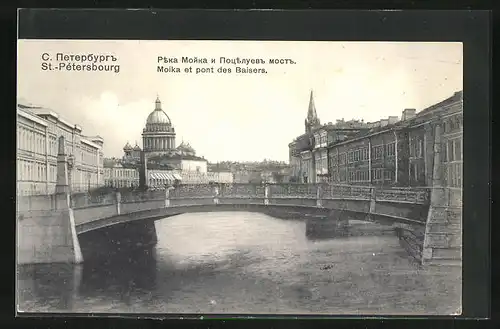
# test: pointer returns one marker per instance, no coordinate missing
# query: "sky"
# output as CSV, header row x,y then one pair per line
x,y
230,116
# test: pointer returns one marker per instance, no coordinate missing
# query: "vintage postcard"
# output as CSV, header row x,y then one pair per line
x,y
239,177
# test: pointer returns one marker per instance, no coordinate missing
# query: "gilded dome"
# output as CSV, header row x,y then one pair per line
x,y
158,116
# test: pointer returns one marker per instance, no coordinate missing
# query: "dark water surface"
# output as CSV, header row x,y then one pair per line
x,y
246,263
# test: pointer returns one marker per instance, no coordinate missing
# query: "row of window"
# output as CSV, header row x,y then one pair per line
x,y
323,139
30,140
35,171
118,173
25,188
118,183
363,175
38,172
363,154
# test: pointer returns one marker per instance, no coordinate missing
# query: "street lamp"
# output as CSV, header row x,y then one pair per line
x,y
88,177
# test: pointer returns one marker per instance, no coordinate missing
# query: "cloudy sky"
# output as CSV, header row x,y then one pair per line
x,y
237,116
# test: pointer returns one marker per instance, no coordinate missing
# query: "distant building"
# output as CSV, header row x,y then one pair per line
x,y
158,136
308,154
117,176
167,163
38,131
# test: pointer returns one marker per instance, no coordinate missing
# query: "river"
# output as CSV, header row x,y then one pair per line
x,y
246,263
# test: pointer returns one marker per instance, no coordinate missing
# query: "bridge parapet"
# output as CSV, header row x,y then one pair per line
x,y
329,191
416,196
141,196
192,191
84,200
242,190
295,190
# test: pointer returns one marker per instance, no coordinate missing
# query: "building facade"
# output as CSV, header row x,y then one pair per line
x,y
38,131
118,176
401,153
391,152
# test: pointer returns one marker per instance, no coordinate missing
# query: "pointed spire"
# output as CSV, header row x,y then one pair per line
x,y
311,112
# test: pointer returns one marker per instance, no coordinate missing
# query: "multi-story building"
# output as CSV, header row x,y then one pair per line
x,y
401,152
118,176
38,131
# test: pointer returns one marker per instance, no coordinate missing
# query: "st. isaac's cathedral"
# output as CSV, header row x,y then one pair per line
x,y
164,159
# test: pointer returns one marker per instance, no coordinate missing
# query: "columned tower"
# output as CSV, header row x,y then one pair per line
x,y
159,135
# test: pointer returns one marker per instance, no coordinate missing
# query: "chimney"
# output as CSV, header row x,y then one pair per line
x,y
393,119
408,114
384,122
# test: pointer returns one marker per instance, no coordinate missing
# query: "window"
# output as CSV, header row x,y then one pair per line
x,y
365,154
450,151
356,155
342,158
376,152
391,149
389,174
455,175
458,150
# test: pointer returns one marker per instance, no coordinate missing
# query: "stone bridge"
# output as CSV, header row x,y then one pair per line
x,y
388,206
50,227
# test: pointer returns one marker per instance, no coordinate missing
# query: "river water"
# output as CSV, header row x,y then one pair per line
x,y
246,263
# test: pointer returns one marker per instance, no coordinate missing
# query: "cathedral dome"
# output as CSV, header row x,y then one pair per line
x,y
158,116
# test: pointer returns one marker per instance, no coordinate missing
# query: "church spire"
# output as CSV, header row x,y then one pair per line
x,y
312,119
311,112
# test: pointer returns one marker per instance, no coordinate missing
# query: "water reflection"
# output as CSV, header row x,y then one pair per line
x,y
240,263
121,275
48,286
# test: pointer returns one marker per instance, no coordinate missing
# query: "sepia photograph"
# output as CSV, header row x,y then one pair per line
x,y
239,177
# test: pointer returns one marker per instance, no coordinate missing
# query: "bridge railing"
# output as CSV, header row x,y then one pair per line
x,y
293,190
192,191
318,191
141,196
82,200
329,191
241,190
415,195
